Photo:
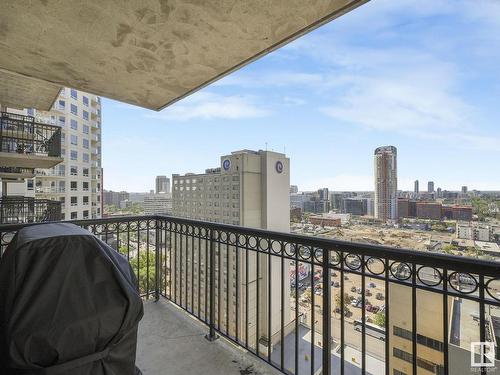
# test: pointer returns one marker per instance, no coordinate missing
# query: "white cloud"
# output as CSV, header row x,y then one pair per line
x,y
208,106
293,100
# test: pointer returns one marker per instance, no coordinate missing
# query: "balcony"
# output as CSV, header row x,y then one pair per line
x,y
50,190
28,210
301,305
16,173
50,173
27,144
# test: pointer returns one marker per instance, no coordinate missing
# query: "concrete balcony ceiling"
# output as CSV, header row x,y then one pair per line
x,y
145,52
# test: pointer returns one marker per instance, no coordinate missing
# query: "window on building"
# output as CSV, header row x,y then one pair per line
x,y
74,109
62,104
85,143
85,200
62,120
86,214
63,138
85,186
85,115
29,184
73,186
74,124
85,172
74,215
85,101
31,112
73,170
74,155
74,139
86,158
85,129
74,201
74,94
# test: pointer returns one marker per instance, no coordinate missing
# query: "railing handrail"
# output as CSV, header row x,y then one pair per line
x,y
22,134
199,270
458,263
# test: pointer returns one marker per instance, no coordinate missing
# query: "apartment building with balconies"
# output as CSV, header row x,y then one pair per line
x,y
77,181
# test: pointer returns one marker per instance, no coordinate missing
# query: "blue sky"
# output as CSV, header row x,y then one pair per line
x,y
420,75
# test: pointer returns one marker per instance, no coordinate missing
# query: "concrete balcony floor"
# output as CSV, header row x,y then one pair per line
x,y
171,342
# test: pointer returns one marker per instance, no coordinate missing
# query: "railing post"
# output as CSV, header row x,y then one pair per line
x,y
211,334
157,260
327,343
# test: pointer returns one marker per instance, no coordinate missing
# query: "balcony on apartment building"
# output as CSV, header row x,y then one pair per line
x,y
19,209
293,304
25,143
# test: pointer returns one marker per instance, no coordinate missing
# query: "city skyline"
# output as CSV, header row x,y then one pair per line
x,y
357,84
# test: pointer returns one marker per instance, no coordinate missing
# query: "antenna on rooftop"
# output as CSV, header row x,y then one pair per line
x,y
266,146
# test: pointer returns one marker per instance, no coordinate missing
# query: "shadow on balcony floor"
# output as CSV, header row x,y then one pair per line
x,y
171,342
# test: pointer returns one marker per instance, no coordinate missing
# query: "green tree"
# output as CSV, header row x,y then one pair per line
x,y
379,319
449,248
144,267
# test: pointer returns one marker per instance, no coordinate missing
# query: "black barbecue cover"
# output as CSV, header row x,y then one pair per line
x,y
68,305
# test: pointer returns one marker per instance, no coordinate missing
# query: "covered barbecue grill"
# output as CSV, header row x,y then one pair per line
x,y
68,305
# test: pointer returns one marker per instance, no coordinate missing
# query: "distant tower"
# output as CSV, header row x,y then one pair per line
x,y
416,186
386,183
162,184
439,192
464,190
430,187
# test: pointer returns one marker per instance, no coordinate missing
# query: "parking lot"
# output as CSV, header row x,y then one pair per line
x,y
352,288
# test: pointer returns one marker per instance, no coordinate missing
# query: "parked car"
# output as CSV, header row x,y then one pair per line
x,y
372,285
353,289
354,302
358,290
379,296
336,284
368,293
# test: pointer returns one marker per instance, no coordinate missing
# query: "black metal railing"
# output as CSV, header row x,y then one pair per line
x,y
21,134
16,170
311,305
20,210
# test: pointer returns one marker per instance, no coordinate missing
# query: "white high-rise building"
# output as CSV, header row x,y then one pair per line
x,y
77,181
162,184
250,189
158,204
386,183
